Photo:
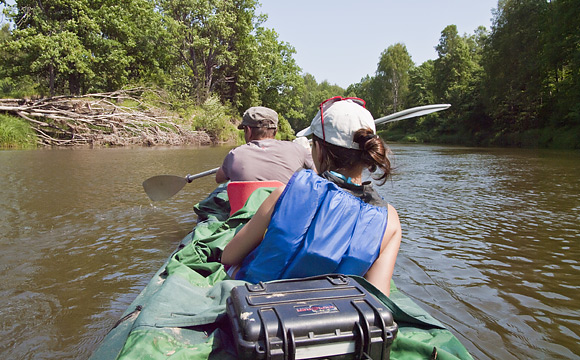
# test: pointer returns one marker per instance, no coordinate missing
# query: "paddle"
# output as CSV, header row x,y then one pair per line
x,y
162,187
405,114
412,112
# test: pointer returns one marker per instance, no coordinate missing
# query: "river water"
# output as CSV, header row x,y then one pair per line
x,y
490,243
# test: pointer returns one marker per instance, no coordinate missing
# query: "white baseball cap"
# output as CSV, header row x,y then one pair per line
x,y
341,118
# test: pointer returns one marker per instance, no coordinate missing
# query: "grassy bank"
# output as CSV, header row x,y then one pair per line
x,y
126,117
16,133
547,138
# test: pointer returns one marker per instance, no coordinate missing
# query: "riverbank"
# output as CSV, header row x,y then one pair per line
x,y
145,117
121,118
545,138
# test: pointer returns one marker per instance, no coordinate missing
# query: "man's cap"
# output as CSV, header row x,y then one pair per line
x,y
341,120
260,116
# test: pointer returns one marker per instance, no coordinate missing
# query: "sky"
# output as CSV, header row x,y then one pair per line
x,y
341,41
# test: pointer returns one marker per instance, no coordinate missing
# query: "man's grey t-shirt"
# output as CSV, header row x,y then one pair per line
x,y
267,159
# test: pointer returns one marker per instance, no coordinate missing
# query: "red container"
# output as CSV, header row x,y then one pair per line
x,y
240,191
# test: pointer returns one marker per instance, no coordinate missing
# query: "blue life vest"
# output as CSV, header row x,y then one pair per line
x,y
316,228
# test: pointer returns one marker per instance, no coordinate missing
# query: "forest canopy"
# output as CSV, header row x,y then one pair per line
x,y
516,84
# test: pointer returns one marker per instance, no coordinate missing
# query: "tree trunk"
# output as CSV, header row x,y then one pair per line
x,y
74,84
51,78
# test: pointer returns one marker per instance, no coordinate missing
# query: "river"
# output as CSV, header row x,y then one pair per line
x,y
490,243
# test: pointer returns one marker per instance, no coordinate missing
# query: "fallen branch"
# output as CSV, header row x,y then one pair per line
x,y
99,120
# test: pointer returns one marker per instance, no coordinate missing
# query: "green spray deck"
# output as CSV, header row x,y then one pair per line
x,y
181,313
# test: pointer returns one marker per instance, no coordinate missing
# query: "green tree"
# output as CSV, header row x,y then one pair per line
x,y
391,83
512,63
561,46
75,46
453,66
48,40
311,97
131,45
364,90
5,81
279,81
456,75
208,37
421,85
12,84
308,99
476,123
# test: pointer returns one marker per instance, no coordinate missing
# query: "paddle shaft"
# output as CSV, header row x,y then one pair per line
x,y
163,187
190,178
409,113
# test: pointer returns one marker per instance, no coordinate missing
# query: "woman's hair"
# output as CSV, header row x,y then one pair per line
x,y
373,156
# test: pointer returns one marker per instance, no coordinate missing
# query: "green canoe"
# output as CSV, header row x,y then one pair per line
x,y
181,313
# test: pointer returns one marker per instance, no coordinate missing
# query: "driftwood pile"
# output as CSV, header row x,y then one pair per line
x,y
101,120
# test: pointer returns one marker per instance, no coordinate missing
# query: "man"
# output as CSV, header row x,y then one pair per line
x,y
263,157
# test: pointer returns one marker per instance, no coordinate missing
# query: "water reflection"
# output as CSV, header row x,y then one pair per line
x,y
489,243
488,238
81,239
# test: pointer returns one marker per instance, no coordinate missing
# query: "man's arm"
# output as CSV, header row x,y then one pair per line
x,y
220,176
308,162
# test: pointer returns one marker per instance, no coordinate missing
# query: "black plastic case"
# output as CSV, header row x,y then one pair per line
x,y
330,317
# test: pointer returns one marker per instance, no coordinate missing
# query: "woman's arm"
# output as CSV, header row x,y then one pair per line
x,y
252,233
381,270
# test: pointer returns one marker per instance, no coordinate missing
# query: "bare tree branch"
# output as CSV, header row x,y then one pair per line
x,y
100,120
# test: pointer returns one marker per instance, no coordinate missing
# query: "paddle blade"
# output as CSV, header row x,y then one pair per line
x,y
162,187
413,112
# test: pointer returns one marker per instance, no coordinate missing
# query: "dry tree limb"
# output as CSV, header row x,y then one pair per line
x,y
99,120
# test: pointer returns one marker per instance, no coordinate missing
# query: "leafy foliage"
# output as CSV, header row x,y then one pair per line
x,y
514,79
310,98
391,84
516,84
72,46
214,118
211,36
278,79
561,47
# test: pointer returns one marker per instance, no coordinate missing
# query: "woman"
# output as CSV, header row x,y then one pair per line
x,y
330,222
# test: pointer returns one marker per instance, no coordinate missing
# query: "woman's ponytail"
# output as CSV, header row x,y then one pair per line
x,y
374,153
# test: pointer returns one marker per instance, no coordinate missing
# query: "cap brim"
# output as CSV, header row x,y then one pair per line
x,y
305,132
